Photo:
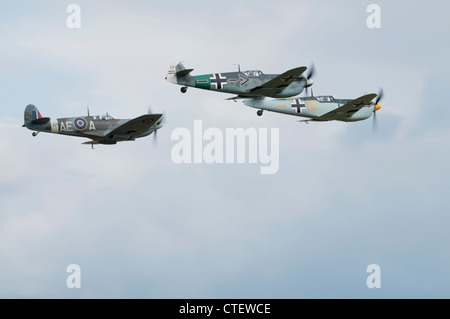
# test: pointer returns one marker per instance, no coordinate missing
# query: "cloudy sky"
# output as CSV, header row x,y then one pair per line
x,y
141,226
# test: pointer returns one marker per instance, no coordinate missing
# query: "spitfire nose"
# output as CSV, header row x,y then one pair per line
x,y
377,107
309,82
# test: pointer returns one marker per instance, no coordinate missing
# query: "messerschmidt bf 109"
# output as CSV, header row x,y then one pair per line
x,y
322,108
247,84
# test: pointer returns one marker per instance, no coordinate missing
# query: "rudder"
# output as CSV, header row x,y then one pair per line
x,y
31,114
177,70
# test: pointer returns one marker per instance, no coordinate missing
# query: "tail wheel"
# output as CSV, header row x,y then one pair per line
x,y
259,112
183,89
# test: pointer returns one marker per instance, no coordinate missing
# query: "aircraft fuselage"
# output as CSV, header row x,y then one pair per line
x,y
310,107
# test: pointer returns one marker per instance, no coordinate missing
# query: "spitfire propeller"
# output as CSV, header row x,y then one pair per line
x,y
158,125
377,107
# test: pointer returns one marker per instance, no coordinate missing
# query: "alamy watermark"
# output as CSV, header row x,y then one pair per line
x,y
374,279
374,19
73,21
74,279
235,145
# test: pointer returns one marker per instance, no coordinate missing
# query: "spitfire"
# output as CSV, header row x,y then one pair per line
x,y
100,129
247,84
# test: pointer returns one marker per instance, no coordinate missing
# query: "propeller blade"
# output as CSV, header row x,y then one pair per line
x,y
155,137
374,122
308,77
311,72
160,122
379,96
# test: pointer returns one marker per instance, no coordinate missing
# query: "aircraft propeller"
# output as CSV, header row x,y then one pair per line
x,y
309,76
159,123
377,107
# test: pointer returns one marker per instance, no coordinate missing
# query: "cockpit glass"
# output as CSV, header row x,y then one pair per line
x,y
103,117
253,73
327,98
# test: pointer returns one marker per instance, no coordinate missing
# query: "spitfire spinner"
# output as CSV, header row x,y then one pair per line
x,y
247,84
100,129
322,108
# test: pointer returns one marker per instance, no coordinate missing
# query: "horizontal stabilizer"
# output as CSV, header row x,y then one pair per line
x,y
41,120
184,72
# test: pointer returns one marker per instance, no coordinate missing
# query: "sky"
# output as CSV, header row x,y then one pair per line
x,y
141,226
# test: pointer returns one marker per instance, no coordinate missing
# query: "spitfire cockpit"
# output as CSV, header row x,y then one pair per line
x,y
103,117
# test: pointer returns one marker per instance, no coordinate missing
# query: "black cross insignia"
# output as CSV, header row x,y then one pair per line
x,y
298,105
218,81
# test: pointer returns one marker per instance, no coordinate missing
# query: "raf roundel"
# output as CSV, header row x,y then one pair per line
x,y
80,123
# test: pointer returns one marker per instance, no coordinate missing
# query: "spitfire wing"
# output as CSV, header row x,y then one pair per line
x,y
130,128
347,109
279,83
136,126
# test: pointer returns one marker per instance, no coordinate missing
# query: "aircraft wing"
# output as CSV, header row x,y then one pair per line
x,y
139,124
277,84
132,127
347,109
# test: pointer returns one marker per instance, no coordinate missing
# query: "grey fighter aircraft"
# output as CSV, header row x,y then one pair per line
x,y
322,108
247,84
100,129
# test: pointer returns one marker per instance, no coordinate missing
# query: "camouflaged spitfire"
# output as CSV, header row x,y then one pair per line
x,y
100,129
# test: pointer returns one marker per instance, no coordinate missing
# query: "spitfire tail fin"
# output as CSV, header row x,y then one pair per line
x,y
177,70
33,116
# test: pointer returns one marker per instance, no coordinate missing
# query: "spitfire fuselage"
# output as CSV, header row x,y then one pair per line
x,y
90,127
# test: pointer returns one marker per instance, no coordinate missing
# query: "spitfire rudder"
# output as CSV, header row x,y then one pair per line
x,y
31,113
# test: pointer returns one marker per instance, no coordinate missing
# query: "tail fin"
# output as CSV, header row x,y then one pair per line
x,y
33,116
177,70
